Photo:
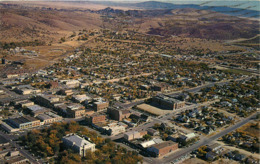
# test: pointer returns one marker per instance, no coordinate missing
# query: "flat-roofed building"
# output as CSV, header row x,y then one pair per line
x,y
47,100
75,110
25,103
24,122
81,98
167,102
96,118
134,135
66,92
100,105
8,128
78,144
163,148
187,137
36,110
151,142
26,89
113,129
49,118
118,114
72,83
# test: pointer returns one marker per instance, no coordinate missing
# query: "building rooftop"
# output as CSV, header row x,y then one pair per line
x,y
35,108
77,140
3,140
167,98
23,119
164,144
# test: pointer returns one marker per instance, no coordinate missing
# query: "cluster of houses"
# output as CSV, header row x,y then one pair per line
x,y
215,151
204,120
243,140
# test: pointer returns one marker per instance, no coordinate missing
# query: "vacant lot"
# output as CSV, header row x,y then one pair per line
x,y
153,110
251,129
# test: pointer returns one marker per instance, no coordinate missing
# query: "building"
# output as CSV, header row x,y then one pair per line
x,y
66,92
75,110
129,123
24,122
117,114
49,117
214,147
151,142
211,155
134,135
36,110
153,132
187,137
158,87
47,100
81,98
72,83
113,129
9,155
25,103
78,144
16,160
93,119
3,141
167,102
26,90
100,105
8,128
163,148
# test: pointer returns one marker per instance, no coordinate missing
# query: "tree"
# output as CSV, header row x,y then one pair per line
x,y
156,126
147,137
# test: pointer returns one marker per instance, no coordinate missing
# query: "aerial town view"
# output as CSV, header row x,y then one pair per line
x,y
129,82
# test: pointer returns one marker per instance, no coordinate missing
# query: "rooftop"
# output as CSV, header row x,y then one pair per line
x,y
77,140
23,119
164,144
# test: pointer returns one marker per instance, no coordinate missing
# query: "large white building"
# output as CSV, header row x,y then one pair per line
x,y
78,144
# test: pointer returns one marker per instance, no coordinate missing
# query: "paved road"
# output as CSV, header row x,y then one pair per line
x,y
206,140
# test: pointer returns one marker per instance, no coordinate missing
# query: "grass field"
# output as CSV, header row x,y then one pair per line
x,y
237,71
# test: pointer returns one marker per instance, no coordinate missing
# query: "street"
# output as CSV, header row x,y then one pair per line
x,y
207,140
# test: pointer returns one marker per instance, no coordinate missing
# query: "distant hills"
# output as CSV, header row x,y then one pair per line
x,y
241,12
27,22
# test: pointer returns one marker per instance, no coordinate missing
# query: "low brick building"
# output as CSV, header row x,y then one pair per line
x,y
100,105
96,119
163,148
117,114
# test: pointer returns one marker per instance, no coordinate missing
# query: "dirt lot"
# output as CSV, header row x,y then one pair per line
x,y
251,129
199,161
152,109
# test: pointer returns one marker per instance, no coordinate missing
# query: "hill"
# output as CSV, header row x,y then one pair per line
x,y
49,24
151,5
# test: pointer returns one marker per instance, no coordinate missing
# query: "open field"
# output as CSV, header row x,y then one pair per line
x,y
252,129
199,161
